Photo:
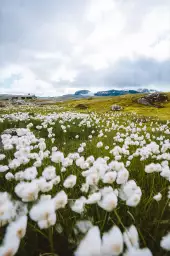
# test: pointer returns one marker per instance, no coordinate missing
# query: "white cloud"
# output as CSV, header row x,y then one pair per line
x,y
74,45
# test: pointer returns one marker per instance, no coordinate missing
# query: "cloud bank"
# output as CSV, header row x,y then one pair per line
x,y
55,47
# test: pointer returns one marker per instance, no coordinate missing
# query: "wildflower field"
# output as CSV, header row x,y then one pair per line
x,y
83,183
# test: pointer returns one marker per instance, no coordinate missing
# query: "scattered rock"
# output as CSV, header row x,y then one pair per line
x,y
81,106
116,108
2,105
144,101
153,99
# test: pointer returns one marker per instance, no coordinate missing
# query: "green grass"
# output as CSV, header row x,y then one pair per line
x,y
128,102
150,217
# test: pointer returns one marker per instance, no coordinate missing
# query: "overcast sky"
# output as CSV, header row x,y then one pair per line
x,y
55,47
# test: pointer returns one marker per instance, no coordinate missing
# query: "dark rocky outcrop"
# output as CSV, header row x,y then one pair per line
x,y
116,108
81,106
155,99
2,104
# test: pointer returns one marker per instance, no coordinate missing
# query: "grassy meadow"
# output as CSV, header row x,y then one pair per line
x,y
65,170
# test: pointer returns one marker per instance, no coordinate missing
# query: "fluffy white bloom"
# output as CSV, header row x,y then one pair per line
x,y
56,180
78,205
138,252
130,193
9,176
131,237
94,198
49,173
153,168
2,156
7,208
19,175
90,159
17,228
70,181
99,144
85,187
92,179
10,247
44,213
158,197
27,191
165,242
122,176
83,225
60,200
30,173
46,186
133,200
112,242
108,202
57,157
15,163
91,244
80,149
110,177
4,168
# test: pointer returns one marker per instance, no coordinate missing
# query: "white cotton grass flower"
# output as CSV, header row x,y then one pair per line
x,y
109,177
158,197
112,242
14,164
99,144
78,205
37,163
44,213
84,188
131,193
7,209
153,168
28,192
56,180
60,200
70,181
93,198
49,173
63,169
9,176
92,179
46,186
91,244
83,225
108,202
17,228
2,157
131,237
165,242
10,247
57,157
4,168
122,176
80,149
19,176
30,173
138,252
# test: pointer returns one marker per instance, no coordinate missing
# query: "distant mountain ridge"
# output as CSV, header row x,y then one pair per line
x,y
86,93
112,92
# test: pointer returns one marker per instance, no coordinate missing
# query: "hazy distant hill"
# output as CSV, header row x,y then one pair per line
x,y
86,93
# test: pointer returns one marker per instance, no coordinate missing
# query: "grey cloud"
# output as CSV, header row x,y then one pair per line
x,y
27,27
128,74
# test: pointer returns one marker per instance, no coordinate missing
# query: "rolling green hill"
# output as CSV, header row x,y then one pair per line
x,y
128,102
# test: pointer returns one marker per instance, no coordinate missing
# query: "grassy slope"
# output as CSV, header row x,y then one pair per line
x,y
128,102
